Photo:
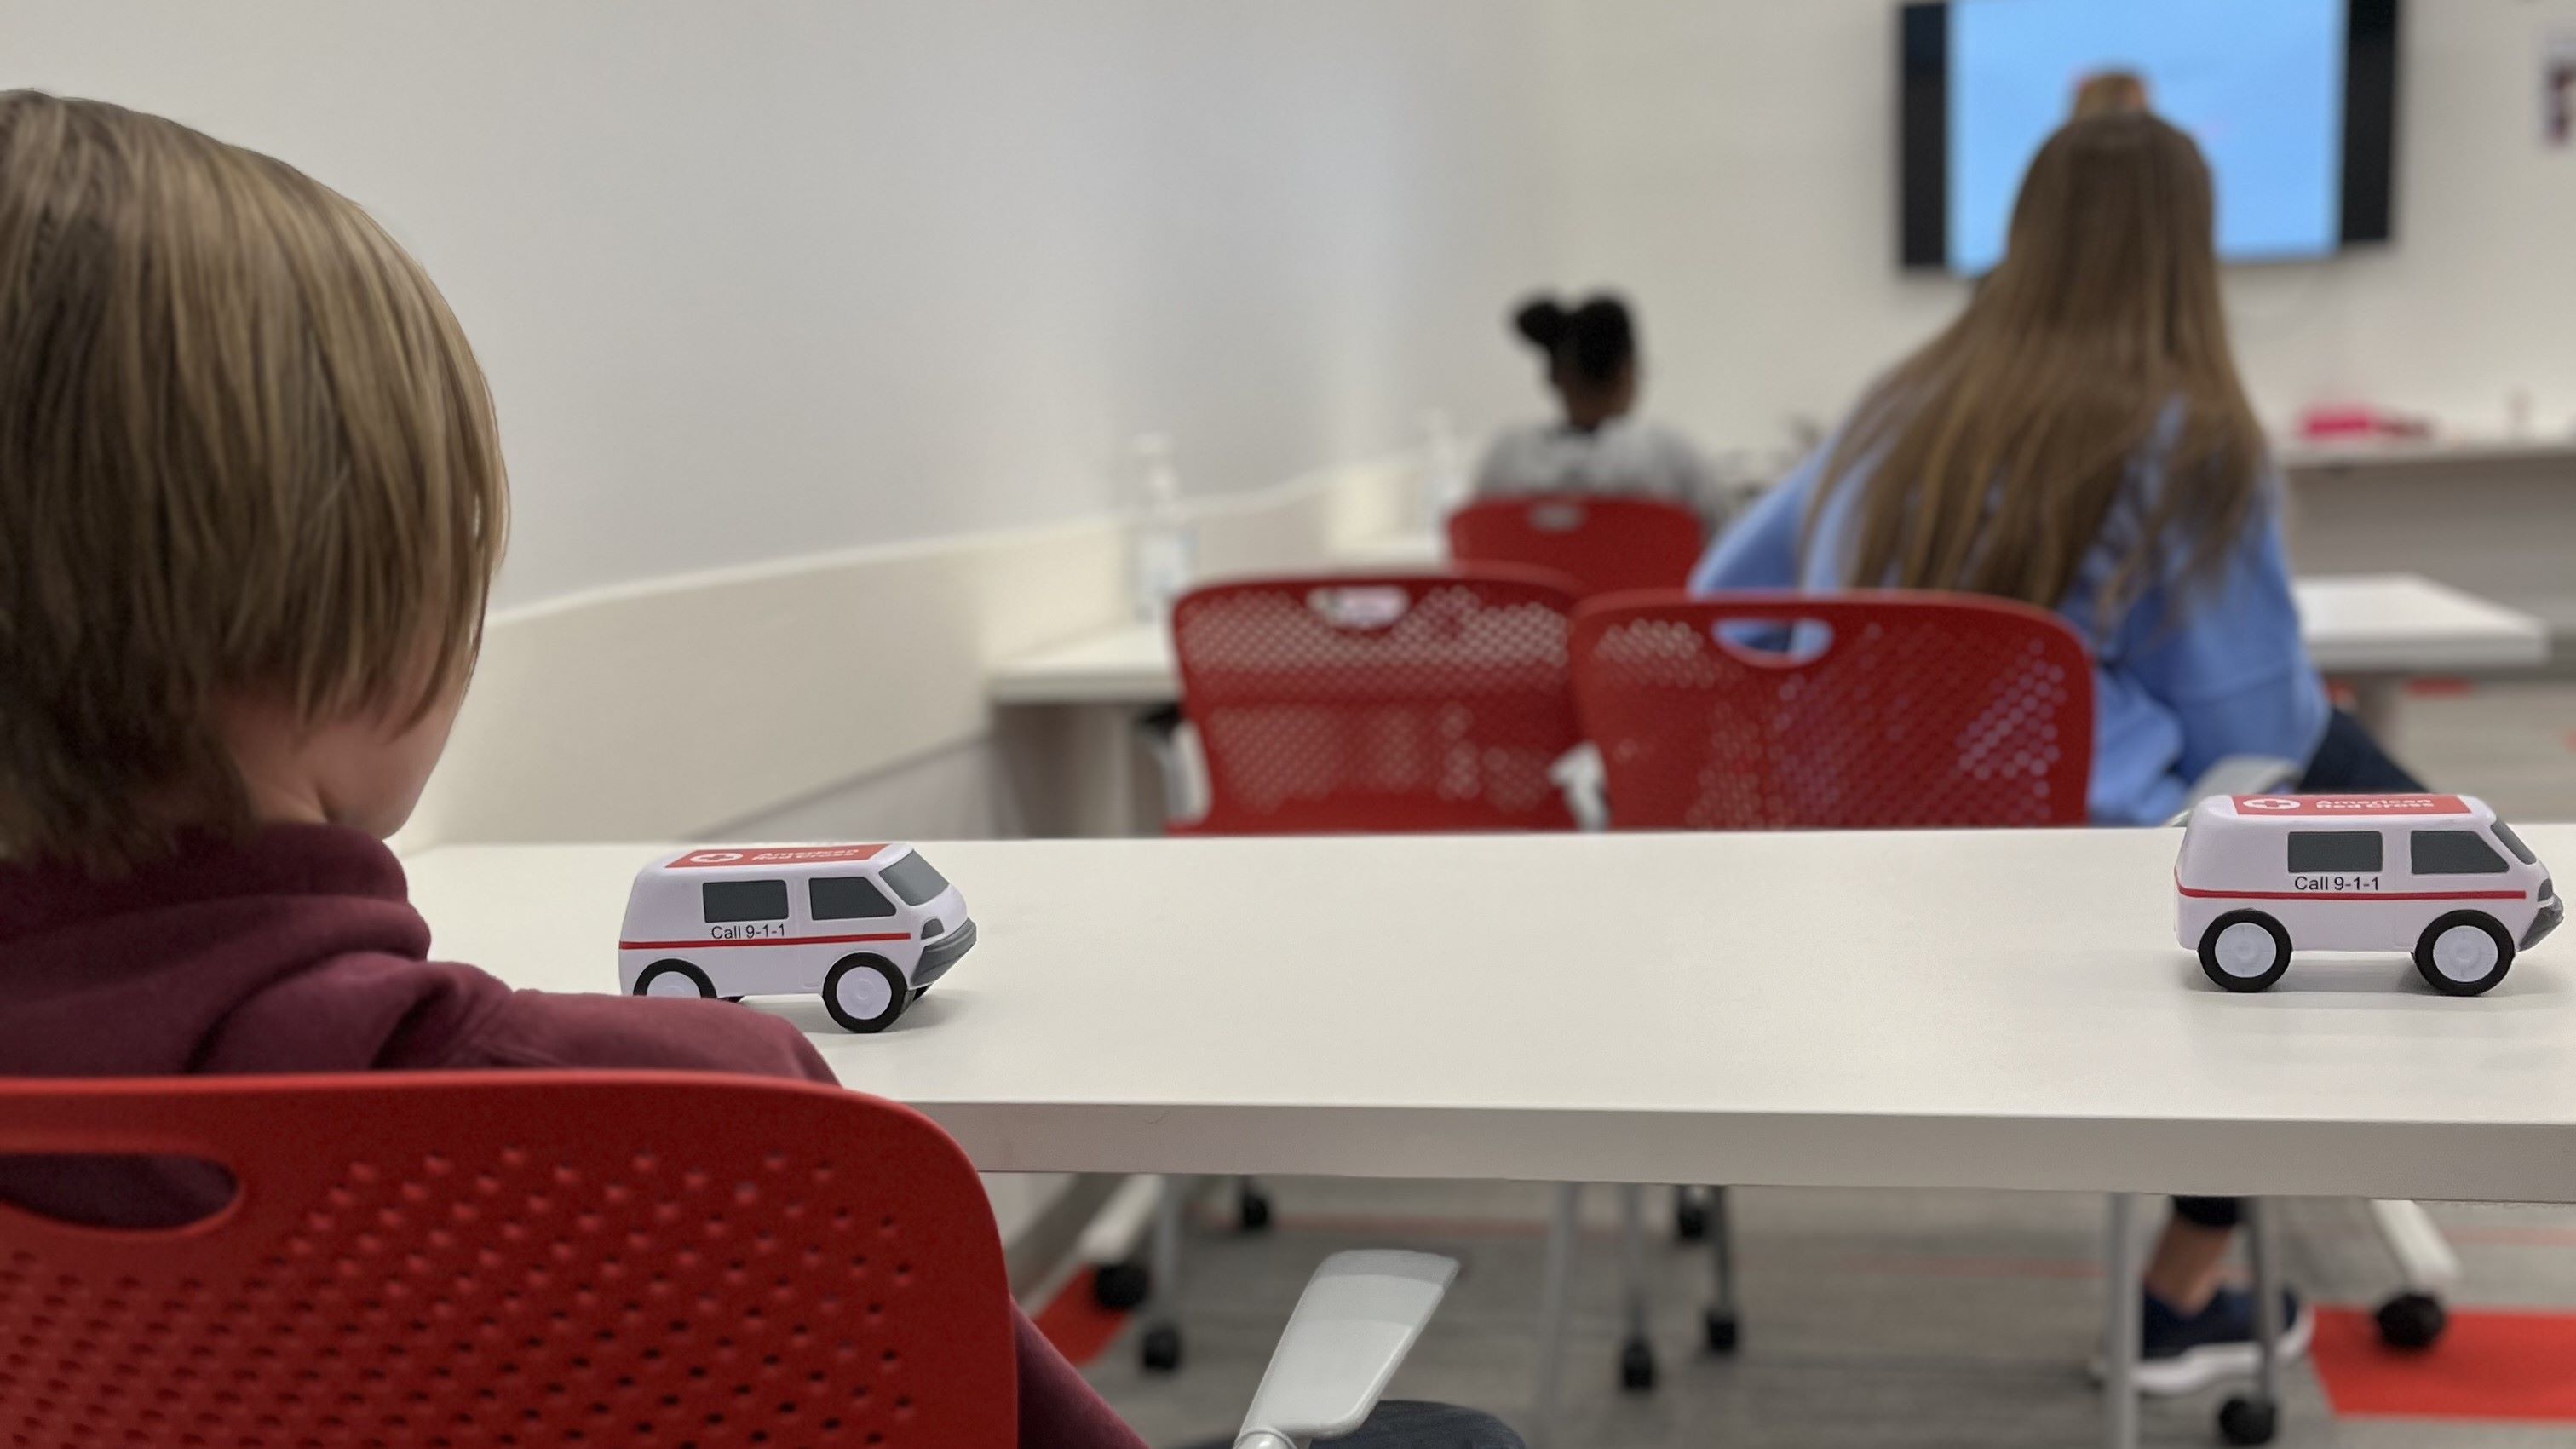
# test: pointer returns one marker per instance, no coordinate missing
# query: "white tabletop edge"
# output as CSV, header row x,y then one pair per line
x,y
2005,1009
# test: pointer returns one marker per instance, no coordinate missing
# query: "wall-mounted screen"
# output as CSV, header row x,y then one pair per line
x,y
2292,101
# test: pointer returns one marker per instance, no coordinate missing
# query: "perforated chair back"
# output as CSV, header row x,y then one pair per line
x,y
1604,544
1379,703
473,1259
1882,710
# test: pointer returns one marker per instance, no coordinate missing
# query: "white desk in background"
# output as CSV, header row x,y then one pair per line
x,y
2373,630
2300,455
2002,1009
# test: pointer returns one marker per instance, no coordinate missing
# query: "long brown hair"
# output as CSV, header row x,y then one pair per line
x,y
1995,453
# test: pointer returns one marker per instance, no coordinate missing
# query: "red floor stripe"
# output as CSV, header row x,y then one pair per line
x,y
1075,1322
2488,1365
1927,1266
2437,686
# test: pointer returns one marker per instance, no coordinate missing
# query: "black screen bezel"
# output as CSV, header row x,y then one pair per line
x,y
1923,128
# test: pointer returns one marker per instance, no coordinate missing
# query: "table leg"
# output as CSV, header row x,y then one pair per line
x,y
2262,1245
2374,703
1162,1343
1556,1276
1720,1325
2123,1264
1169,1208
1077,770
1632,1259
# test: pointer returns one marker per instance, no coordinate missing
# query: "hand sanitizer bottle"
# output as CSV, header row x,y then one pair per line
x,y
1160,539
1444,468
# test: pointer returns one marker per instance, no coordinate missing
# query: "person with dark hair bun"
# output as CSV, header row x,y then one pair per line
x,y
1597,445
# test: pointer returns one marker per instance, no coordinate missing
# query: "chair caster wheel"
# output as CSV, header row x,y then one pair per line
x,y
1120,1286
1721,1331
1636,1366
1252,1211
1162,1350
1690,1216
2412,1321
2249,1421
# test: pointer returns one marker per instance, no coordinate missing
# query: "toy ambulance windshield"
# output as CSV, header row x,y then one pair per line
x,y
866,927
2436,875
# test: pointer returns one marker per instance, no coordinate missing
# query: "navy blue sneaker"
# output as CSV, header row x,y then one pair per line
x,y
2179,1355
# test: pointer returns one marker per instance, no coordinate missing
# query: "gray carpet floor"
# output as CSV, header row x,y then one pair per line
x,y
1870,1318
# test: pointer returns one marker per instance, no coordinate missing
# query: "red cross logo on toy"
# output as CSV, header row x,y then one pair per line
x,y
2271,802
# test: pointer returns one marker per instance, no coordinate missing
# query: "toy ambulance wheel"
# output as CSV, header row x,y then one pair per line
x,y
2463,953
673,978
2244,951
865,993
2411,1321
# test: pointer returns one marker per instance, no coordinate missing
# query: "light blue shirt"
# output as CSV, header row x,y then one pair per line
x,y
2194,671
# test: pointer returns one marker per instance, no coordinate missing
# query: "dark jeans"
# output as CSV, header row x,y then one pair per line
x,y
2347,762
1401,1425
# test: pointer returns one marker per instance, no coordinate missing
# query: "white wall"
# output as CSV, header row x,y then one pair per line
x,y
819,326
1731,164
767,279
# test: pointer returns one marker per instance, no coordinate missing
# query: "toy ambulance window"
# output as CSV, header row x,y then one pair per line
x,y
2513,842
2453,852
744,900
2328,851
848,898
914,880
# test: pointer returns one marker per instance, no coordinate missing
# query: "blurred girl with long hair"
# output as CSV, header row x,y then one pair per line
x,y
2079,440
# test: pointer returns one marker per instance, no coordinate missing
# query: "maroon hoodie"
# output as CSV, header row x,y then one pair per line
x,y
298,951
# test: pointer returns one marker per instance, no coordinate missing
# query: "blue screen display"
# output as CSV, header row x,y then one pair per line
x,y
2258,83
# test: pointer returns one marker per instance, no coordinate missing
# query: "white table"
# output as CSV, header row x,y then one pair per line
x,y
2375,630
1997,1009
2300,455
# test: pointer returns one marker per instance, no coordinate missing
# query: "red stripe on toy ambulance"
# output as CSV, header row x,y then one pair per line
x,y
2351,805
774,857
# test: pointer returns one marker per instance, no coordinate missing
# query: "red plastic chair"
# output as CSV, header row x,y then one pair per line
x,y
1382,703
1604,544
1902,710
510,1259
1919,710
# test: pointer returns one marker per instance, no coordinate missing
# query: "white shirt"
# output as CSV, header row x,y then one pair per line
x,y
1623,456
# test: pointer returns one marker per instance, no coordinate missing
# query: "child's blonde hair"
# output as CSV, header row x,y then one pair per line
x,y
245,453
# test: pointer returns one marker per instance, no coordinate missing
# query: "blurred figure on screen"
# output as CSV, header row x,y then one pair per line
x,y
1596,444
2111,93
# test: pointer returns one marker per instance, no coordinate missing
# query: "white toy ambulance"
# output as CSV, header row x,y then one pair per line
x,y
2437,875
866,927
